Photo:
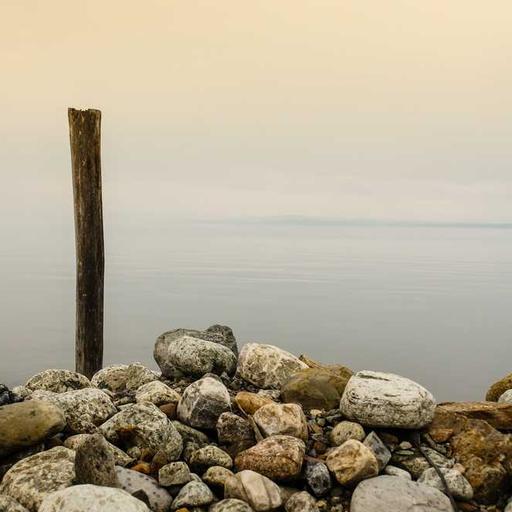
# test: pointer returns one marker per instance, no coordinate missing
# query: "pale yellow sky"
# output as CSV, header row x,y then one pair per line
x,y
229,108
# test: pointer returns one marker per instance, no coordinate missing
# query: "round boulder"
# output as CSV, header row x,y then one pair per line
x,y
58,381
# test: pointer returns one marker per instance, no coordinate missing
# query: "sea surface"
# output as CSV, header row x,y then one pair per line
x,y
430,302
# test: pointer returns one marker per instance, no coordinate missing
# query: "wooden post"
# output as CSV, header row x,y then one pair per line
x,y
84,135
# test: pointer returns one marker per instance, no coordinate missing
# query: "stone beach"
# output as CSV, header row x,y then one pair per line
x,y
223,428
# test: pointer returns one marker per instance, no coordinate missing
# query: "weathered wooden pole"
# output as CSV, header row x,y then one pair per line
x,y
84,135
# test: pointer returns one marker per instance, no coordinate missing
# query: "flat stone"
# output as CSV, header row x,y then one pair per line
x,y
33,478
26,424
230,505
277,457
389,493
133,482
316,388
301,502
84,409
498,415
209,456
346,430
58,381
91,498
379,449
251,402
146,427
8,504
121,377
174,473
193,494
120,458
377,399
318,478
218,334
255,489
157,393
282,419
95,463
352,462
267,366
457,484
203,402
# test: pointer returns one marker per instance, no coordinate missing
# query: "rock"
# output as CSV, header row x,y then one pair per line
x,y
84,409
277,457
346,430
498,388
8,504
318,478
506,398
95,463
498,415
146,427
218,334
255,489
58,381
7,396
190,434
230,505
416,463
203,402
120,458
385,493
301,502
377,399
174,473
315,388
197,357
267,366
209,456
91,498
216,476
135,483
25,424
157,393
121,377
379,449
193,494
352,462
284,419
235,432
398,472
33,478
458,485
251,402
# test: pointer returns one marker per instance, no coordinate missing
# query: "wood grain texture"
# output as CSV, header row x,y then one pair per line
x,y
85,140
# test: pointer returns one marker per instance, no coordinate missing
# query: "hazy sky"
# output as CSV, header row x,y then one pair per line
x,y
396,109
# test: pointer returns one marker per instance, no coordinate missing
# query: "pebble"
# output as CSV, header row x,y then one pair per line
x,y
230,505
157,393
209,456
193,494
301,502
379,449
318,478
346,430
457,484
284,419
399,472
216,476
174,473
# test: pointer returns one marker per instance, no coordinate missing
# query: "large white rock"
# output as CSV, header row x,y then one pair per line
x,y
203,402
91,498
395,494
377,399
267,366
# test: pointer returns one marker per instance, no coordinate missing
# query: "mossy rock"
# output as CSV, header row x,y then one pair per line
x,y
498,388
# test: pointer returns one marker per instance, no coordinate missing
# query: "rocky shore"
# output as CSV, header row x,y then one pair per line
x,y
218,430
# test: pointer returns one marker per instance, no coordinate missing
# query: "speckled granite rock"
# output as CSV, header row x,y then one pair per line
x,y
121,377
378,399
92,498
267,366
133,482
8,504
58,381
120,458
285,419
318,478
157,393
346,430
230,505
193,494
277,457
385,493
209,456
203,402
84,409
37,476
174,473
216,476
301,502
25,424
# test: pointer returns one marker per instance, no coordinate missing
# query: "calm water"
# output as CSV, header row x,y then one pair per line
x,y
430,303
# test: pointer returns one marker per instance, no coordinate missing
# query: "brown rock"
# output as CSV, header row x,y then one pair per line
x,y
352,462
498,415
284,419
169,410
498,388
251,402
277,457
